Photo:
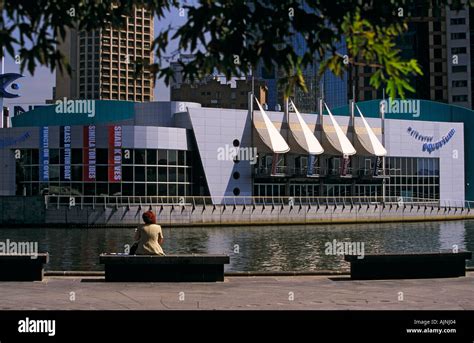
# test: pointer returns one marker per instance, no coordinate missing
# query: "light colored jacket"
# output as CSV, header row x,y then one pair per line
x,y
147,237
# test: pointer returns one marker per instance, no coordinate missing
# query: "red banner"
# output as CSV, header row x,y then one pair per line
x,y
115,153
89,155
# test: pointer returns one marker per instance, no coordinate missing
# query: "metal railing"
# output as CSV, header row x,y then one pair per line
x,y
277,171
303,171
127,201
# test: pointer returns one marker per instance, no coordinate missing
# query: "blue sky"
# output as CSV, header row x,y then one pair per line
x,y
38,88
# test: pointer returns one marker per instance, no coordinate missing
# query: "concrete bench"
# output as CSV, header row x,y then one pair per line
x,y
22,267
409,266
169,268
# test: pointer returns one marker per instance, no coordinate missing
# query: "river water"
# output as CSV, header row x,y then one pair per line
x,y
258,248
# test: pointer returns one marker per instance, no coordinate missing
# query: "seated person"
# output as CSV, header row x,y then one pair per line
x,y
149,236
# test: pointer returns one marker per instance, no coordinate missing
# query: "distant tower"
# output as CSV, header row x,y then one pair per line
x,y
104,62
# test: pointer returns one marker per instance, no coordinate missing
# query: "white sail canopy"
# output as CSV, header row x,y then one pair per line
x,y
303,135
367,138
268,132
336,136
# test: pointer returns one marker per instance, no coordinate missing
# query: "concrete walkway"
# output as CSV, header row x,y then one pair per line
x,y
255,293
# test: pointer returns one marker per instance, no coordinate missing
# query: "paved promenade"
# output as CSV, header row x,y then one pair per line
x,y
246,293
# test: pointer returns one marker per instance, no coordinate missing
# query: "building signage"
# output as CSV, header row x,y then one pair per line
x,y
6,142
429,144
44,154
418,136
115,153
66,143
89,156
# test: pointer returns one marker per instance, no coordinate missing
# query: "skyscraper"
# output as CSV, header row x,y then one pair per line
x,y
438,38
334,88
109,63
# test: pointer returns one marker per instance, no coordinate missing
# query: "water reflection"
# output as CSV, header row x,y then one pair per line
x,y
258,248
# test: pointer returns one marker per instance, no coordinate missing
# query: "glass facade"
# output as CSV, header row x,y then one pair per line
x,y
144,172
412,178
406,179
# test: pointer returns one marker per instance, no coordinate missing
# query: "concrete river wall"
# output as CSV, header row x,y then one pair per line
x,y
29,211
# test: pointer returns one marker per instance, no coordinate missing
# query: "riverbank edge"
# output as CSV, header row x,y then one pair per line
x,y
246,223
79,273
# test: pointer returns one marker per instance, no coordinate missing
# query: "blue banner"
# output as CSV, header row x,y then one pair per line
x,y
67,152
44,154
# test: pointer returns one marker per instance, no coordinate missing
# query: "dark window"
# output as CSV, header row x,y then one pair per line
x,y
76,173
172,174
151,157
172,157
162,189
459,69
35,156
181,157
127,188
139,189
181,174
437,53
162,157
102,156
139,156
458,35
458,21
438,67
102,173
437,39
89,188
151,189
459,98
459,83
127,173
53,156
76,156
438,80
151,174
139,173
236,191
115,189
102,189
437,26
172,190
438,94
458,50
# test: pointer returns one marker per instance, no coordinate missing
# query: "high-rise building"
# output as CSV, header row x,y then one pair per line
x,y
333,87
215,90
438,38
110,63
